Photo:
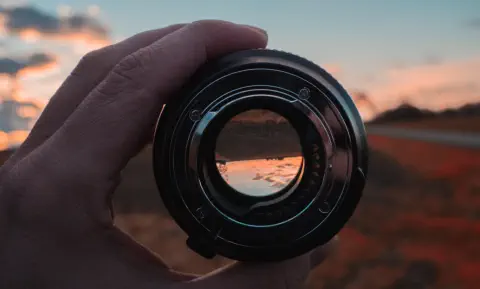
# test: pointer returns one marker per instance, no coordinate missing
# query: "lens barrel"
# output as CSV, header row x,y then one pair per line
x,y
320,197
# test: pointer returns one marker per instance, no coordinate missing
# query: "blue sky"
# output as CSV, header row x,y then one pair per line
x,y
426,52
358,35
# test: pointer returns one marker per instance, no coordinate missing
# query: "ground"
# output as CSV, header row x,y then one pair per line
x,y
417,226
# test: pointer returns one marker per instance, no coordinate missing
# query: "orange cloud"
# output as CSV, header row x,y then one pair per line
x,y
4,144
32,24
433,86
16,138
4,83
334,69
39,61
37,69
13,71
81,37
18,94
3,21
27,112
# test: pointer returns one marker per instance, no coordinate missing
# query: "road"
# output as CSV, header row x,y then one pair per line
x,y
465,140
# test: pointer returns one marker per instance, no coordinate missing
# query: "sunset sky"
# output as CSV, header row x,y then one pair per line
x,y
425,52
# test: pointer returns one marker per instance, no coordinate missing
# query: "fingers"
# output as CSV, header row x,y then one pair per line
x,y
89,72
111,123
287,274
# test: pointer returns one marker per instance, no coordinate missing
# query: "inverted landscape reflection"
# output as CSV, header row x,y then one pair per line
x,y
260,177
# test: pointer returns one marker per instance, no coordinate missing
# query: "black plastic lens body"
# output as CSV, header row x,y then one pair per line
x,y
321,193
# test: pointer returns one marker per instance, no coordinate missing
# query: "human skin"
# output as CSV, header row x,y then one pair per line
x,y
56,223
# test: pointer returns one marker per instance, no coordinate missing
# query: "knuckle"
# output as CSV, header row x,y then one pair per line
x,y
130,66
91,60
96,60
200,24
207,25
138,62
206,28
129,74
202,27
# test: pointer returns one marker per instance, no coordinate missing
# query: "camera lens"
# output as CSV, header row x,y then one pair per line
x,y
262,157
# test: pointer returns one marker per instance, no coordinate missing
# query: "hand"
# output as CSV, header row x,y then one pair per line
x,y
56,227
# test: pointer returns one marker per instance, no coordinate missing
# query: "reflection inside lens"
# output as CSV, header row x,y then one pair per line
x,y
258,153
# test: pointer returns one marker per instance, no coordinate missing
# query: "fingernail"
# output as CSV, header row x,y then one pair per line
x,y
257,29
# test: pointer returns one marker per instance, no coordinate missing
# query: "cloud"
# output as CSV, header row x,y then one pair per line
x,y
4,84
12,3
12,139
93,10
334,69
474,23
16,120
30,23
38,63
3,21
434,85
10,66
34,62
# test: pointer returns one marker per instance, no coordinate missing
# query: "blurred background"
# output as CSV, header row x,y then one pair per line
x,y
412,67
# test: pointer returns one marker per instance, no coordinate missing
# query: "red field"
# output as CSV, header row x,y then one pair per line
x,y
417,228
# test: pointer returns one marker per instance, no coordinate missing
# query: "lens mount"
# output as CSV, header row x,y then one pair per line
x,y
307,212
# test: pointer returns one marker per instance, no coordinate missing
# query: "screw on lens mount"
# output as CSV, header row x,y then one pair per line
x,y
190,164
